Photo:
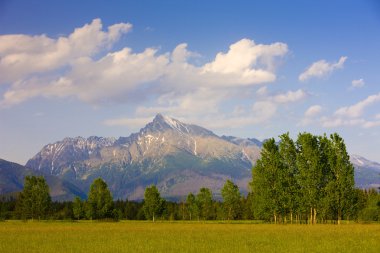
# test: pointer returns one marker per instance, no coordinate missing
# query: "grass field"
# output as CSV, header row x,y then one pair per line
x,y
89,237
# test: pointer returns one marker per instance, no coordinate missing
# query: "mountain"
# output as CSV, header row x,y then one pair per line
x,y
179,158
367,173
12,179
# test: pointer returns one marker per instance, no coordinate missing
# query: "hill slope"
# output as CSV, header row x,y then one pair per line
x,y
12,179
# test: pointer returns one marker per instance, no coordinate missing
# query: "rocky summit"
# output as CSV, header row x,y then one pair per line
x,y
179,158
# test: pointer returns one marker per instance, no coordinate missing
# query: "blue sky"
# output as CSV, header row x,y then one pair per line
x,y
243,68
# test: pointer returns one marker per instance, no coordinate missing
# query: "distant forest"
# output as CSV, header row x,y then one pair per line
x,y
310,180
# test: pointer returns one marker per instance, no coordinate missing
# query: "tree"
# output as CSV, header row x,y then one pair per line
x,y
152,202
310,175
340,187
34,200
192,206
78,208
99,204
231,200
204,201
290,186
266,184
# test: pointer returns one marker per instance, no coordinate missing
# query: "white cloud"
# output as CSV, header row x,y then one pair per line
x,y
67,67
353,115
321,68
313,111
250,62
357,109
290,96
24,55
357,83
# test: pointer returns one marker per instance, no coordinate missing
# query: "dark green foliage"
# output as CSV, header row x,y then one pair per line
x,y
99,204
231,200
192,206
339,189
266,182
311,179
34,201
153,203
371,210
78,208
205,204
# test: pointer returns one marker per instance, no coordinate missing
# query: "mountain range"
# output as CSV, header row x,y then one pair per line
x,y
179,158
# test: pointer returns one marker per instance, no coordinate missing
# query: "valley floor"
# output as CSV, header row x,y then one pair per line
x,y
135,236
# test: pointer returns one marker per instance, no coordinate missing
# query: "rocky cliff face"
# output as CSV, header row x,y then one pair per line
x,y
178,157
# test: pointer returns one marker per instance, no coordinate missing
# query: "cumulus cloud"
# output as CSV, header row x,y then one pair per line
x,y
290,96
357,109
353,115
83,66
313,111
321,69
359,83
24,55
250,62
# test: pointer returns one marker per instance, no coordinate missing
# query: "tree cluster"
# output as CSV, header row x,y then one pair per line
x,y
310,179
303,181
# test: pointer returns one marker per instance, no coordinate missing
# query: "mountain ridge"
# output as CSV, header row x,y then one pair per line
x,y
179,158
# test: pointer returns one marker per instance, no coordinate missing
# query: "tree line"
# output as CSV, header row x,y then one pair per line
x,y
309,180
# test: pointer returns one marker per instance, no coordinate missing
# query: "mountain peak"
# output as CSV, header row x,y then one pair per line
x,y
162,123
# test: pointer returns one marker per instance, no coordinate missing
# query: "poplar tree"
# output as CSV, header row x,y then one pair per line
x,y
290,186
310,174
34,200
205,203
266,184
231,200
340,187
192,207
99,203
78,208
152,202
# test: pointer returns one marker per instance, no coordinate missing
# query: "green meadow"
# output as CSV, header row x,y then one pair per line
x,y
134,236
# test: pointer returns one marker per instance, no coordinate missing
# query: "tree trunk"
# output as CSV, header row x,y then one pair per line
x,y
315,216
311,216
291,217
339,216
153,217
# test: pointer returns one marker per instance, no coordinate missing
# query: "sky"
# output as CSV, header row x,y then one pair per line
x,y
243,68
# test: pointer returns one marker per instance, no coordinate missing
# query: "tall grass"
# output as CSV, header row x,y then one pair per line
x,y
16,236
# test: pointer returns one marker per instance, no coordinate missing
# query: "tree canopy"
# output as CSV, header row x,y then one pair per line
x,y
34,200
